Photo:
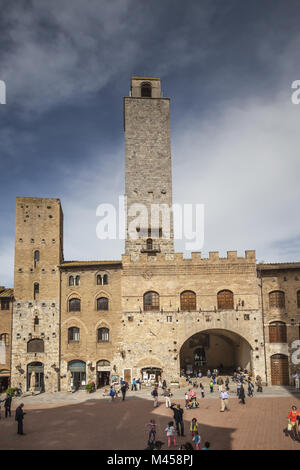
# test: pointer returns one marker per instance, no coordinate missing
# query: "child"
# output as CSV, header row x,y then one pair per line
x,y
197,440
201,390
206,446
186,397
170,433
194,426
152,431
211,386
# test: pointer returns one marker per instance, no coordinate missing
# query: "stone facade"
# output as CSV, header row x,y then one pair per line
x,y
6,309
75,322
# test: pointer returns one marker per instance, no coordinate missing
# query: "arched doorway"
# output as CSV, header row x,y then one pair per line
x,y
215,349
78,374
35,376
280,369
103,373
151,374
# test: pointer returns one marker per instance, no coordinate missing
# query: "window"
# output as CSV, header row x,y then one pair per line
x,y
36,321
36,289
298,299
36,256
225,300
71,281
277,332
77,280
277,299
146,90
102,303
105,279
35,346
103,335
149,244
169,319
102,279
4,339
188,300
99,280
73,334
74,305
151,301
5,304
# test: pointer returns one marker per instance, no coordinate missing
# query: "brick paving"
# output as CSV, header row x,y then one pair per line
x,y
100,424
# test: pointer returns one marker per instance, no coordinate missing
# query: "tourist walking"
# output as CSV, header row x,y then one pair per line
x,y
167,394
211,386
178,417
112,392
19,418
297,380
7,405
227,383
187,399
209,374
154,393
201,390
259,384
293,423
224,400
238,386
133,385
170,433
242,395
250,388
197,440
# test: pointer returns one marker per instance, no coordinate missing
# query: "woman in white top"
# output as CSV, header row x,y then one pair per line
x,y
170,430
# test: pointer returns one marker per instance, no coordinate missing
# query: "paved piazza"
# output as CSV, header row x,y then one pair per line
x,y
81,421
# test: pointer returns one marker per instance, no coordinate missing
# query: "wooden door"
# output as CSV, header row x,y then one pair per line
x,y
279,370
127,375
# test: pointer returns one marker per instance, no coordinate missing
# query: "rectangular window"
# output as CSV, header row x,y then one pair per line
x,y
4,304
169,319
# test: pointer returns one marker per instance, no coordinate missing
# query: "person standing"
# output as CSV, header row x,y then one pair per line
x,y
211,386
202,390
167,394
170,433
297,380
152,431
259,384
19,418
293,423
133,384
227,383
7,405
178,417
220,383
154,393
194,426
224,400
123,390
197,440
250,388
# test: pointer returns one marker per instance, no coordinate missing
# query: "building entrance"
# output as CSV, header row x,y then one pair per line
x,y
35,376
78,374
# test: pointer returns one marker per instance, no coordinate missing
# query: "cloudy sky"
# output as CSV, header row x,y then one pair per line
x,y
227,66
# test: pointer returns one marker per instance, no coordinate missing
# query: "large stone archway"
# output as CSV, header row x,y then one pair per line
x,y
215,348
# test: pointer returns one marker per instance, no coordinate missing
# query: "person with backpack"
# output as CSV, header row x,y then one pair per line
x,y
211,386
167,394
197,440
112,393
194,426
123,390
7,405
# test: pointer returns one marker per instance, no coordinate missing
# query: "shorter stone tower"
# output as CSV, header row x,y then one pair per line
x,y
36,317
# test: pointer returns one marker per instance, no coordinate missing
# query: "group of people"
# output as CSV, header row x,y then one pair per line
x,y
19,416
171,431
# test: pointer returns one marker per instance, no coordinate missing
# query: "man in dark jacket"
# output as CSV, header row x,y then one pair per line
x,y
19,417
7,405
178,418
124,389
242,394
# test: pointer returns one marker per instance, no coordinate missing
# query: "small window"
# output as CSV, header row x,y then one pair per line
x,y
169,319
103,335
225,300
146,90
102,303
36,321
149,244
77,280
188,300
277,299
277,332
36,256
71,280
298,299
35,346
73,334
74,305
36,289
4,338
4,304
151,301
105,279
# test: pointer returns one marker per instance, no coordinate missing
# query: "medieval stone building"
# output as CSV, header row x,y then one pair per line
x,y
154,312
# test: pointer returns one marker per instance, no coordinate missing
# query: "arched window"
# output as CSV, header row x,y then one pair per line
x,y
73,334
71,280
277,332
77,280
99,280
298,299
105,279
102,303
277,299
151,301
103,363
36,256
4,339
146,90
103,335
74,305
36,289
35,346
225,300
188,300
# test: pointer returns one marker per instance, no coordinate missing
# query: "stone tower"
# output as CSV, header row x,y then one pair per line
x,y
35,332
148,178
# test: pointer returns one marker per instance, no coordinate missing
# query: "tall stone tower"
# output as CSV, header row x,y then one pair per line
x,y
148,178
36,317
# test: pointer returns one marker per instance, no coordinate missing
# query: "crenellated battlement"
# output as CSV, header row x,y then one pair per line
x,y
196,258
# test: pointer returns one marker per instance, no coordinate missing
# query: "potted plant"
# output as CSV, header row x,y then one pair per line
x,y
90,387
